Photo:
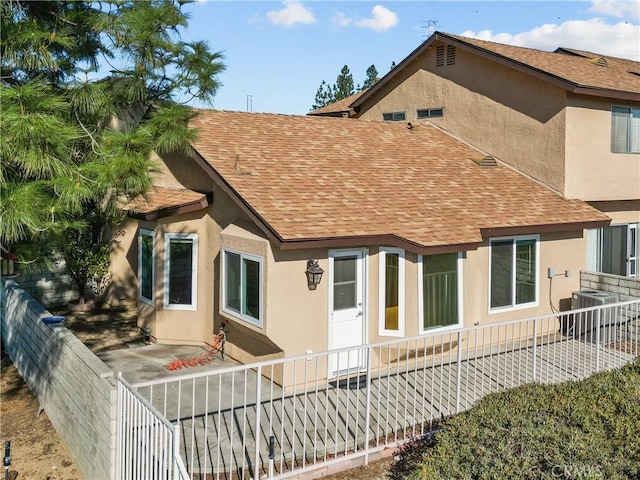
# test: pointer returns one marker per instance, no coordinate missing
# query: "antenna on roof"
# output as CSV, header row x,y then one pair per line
x,y
432,25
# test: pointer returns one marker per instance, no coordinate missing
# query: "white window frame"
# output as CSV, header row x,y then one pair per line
x,y
381,291
460,284
146,233
633,134
223,284
513,305
194,271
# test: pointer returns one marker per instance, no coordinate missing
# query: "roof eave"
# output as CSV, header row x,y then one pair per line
x,y
544,228
375,240
173,210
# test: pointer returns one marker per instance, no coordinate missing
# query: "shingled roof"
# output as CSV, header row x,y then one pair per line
x,y
312,181
575,70
339,108
163,202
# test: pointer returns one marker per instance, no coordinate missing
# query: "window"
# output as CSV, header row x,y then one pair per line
x,y
391,291
242,286
514,272
439,287
145,266
430,113
180,268
394,117
613,250
625,130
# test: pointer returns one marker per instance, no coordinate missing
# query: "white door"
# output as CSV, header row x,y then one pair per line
x,y
347,313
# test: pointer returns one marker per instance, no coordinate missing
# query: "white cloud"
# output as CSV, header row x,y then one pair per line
x,y
341,20
382,19
617,8
595,35
293,12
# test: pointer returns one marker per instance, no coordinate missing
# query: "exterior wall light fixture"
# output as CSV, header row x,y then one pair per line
x,y
314,274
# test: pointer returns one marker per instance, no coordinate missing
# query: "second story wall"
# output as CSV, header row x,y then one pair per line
x,y
593,172
516,117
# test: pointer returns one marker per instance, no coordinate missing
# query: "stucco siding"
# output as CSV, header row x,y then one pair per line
x,y
515,117
593,172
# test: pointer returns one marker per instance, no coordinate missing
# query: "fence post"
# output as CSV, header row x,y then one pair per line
x,y
256,466
535,348
598,323
367,410
459,373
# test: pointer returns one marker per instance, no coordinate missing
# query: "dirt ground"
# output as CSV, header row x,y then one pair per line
x,y
36,451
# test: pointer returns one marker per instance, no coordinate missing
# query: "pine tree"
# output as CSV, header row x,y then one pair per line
x,y
324,96
65,165
343,87
372,77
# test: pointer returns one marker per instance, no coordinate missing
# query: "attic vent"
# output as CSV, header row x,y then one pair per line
x,y
451,55
600,62
635,73
486,161
440,56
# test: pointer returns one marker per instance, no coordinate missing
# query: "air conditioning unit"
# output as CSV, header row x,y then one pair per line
x,y
592,298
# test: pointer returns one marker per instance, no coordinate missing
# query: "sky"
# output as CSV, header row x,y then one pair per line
x,y
277,53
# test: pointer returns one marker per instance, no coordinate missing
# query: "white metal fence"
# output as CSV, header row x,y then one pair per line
x,y
284,417
148,444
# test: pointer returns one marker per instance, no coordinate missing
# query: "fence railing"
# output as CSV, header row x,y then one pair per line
x,y
148,444
288,416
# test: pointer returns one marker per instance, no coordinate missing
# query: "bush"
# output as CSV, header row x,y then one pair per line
x,y
577,430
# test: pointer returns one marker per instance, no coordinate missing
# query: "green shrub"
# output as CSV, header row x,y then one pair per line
x,y
577,430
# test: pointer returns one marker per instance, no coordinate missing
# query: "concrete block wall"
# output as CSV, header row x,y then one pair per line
x,y
626,287
77,390
50,288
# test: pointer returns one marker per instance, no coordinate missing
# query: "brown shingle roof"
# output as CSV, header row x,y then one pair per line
x,y
339,107
577,71
317,178
582,69
163,202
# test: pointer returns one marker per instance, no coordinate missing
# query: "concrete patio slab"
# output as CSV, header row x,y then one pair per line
x,y
149,362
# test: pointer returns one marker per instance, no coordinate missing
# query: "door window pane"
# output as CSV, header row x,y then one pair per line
x,y
344,283
439,290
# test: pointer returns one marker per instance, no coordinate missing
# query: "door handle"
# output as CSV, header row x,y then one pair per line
x,y
359,314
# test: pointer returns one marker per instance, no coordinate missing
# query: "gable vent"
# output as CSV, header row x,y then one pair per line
x,y
600,62
440,56
451,55
486,161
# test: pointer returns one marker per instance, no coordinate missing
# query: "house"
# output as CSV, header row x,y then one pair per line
x,y
414,231
569,119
